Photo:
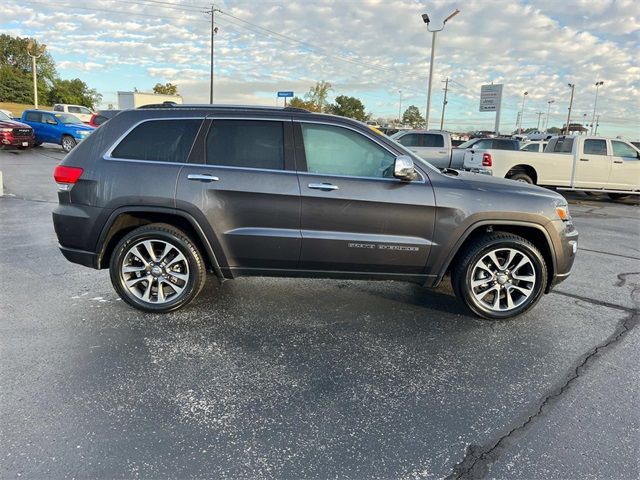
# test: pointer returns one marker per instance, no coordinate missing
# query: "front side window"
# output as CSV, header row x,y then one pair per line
x,y
67,118
335,150
49,119
504,145
621,149
74,109
595,147
532,147
159,140
85,110
432,140
246,143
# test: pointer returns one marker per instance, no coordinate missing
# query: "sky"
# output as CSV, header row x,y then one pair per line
x,y
370,49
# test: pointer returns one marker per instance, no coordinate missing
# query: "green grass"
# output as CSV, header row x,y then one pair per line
x,y
16,109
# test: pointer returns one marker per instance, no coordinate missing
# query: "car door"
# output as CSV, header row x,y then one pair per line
x,y
50,128
34,119
625,166
241,186
356,217
594,164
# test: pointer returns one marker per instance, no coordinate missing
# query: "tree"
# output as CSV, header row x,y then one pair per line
x,y
349,107
16,83
554,130
297,102
318,94
411,116
73,91
166,89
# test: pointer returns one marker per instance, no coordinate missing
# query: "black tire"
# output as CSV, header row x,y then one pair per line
x,y
37,144
618,196
161,233
463,269
522,177
68,143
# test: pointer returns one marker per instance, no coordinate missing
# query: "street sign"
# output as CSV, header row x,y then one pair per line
x,y
285,94
490,98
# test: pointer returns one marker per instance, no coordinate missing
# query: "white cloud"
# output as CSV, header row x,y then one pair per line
x,y
368,48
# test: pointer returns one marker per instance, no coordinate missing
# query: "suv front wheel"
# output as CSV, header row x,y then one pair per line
x,y
157,268
499,276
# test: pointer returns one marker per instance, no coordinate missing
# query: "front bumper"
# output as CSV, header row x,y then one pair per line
x,y
565,245
11,141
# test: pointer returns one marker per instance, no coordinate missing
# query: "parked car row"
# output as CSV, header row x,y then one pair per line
x,y
62,126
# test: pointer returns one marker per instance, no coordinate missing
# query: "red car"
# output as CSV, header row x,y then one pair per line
x,y
15,134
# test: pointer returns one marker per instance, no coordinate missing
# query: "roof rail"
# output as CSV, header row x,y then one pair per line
x,y
230,107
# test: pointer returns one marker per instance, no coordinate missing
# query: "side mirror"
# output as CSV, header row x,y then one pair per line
x,y
403,168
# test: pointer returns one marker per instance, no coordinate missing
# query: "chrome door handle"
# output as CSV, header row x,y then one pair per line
x,y
443,152
202,178
618,161
323,186
584,159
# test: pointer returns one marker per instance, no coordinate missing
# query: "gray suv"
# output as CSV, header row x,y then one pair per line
x,y
164,194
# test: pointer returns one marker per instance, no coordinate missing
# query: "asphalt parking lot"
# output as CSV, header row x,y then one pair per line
x,y
283,378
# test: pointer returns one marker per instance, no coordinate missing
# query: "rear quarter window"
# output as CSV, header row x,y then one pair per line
x,y
159,141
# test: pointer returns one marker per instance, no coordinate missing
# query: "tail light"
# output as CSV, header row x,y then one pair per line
x,y
66,177
486,160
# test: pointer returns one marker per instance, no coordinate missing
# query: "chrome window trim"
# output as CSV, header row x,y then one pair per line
x,y
373,139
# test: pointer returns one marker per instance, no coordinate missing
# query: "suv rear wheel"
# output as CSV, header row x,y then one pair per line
x,y
157,268
499,276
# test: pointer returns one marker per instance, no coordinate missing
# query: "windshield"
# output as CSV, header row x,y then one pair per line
x,y
4,116
67,118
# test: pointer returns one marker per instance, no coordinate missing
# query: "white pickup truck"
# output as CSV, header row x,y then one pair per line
x,y
571,162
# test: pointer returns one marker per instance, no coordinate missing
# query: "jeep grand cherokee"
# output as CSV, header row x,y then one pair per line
x,y
161,195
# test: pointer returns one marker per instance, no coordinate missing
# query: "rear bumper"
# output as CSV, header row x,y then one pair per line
x,y
482,170
81,257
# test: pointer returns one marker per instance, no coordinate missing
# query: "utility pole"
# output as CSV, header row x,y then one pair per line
x,y
35,51
539,115
400,107
573,86
597,125
425,19
444,102
214,30
595,103
524,97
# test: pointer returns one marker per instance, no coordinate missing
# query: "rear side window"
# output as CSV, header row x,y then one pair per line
x,y
246,143
560,145
595,147
504,145
33,117
410,140
159,140
74,109
58,108
432,140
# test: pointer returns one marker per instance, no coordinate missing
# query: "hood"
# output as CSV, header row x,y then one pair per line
x,y
13,124
80,126
489,183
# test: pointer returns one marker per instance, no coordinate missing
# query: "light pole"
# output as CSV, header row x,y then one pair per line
x,y
546,125
214,30
524,96
595,104
573,87
400,108
35,51
425,19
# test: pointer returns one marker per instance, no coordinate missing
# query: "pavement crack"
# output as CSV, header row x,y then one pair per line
x,y
593,301
478,458
609,253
